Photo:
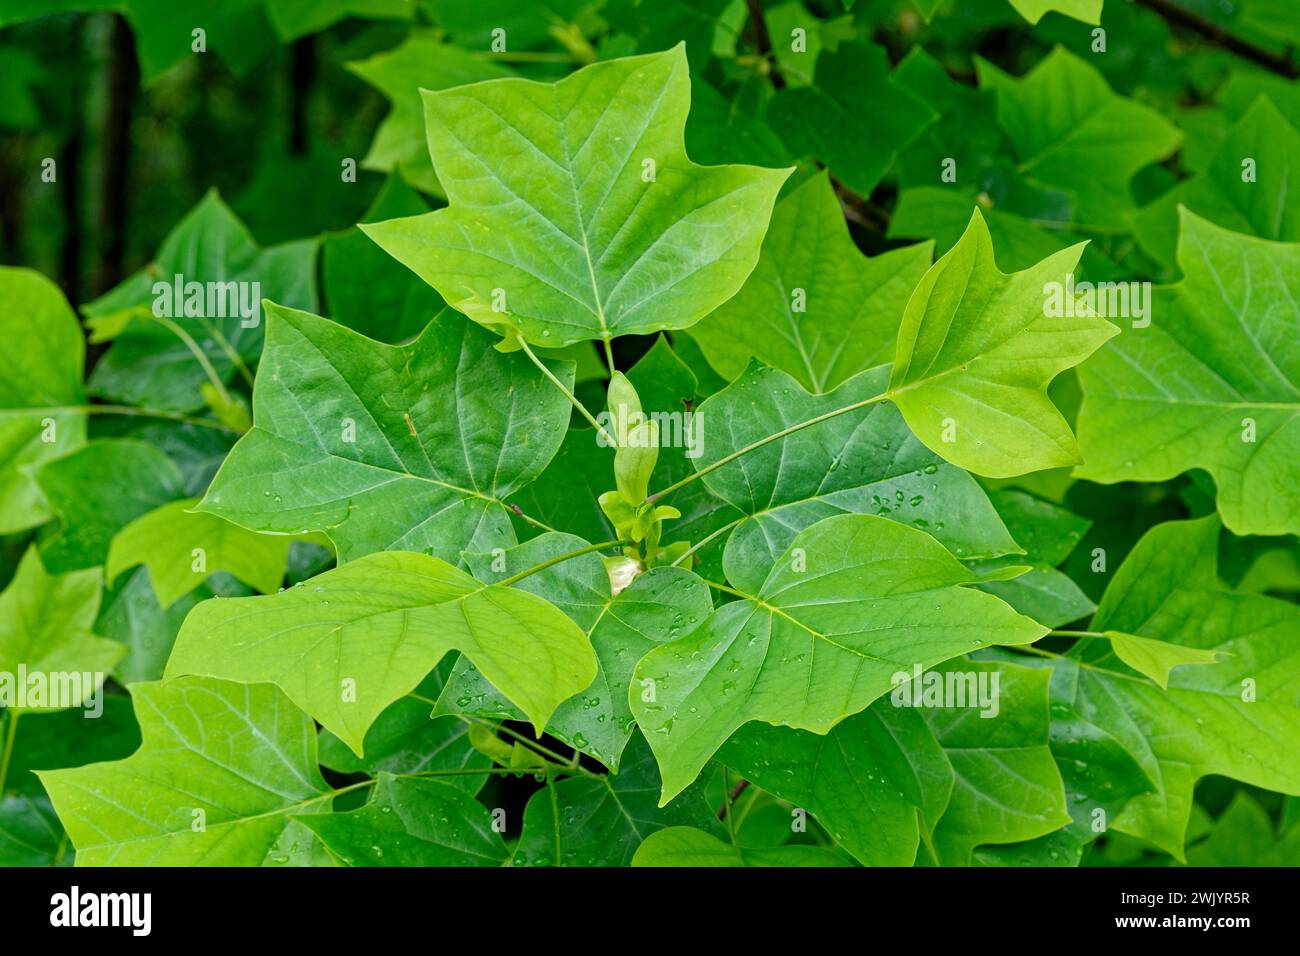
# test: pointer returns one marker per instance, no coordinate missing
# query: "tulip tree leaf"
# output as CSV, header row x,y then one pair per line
x,y
593,223
404,447
40,372
687,846
45,628
864,462
165,541
655,607
872,782
349,642
238,758
147,362
1237,717
976,351
1156,659
853,600
1213,382
814,307
411,821
602,820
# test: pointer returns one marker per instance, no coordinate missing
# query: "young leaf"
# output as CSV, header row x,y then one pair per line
x,y
1213,382
853,600
593,223
871,782
221,769
976,351
181,549
411,822
45,629
1156,659
40,370
355,639
814,307
409,447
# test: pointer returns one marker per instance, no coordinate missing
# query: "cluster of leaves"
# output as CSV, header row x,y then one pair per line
x,y
595,524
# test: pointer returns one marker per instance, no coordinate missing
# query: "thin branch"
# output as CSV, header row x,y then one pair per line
x,y
1282,64
562,557
764,41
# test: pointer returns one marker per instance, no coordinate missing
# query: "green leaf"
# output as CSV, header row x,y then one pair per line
x,y
166,541
854,600
298,18
1245,836
420,62
148,363
365,289
351,641
1267,205
405,447
1213,382
1007,787
872,782
602,820
411,822
1156,659
45,629
863,462
237,759
976,351
814,307
91,510
1071,131
1089,11
594,223
1237,718
855,118
687,846
654,608
41,371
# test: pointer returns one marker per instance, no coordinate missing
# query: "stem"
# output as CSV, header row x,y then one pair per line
x,y
609,357
1278,63
709,537
573,399
724,810
8,750
1097,634
763,39
752,446
514,578
519,512
117,410
208,368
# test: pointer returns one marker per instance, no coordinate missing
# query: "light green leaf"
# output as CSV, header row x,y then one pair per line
x,y
1156,659
1213,382
1007,788
410,447
1089,11
411,822
165,541
602,820
349,642
871,781
298,18
687,846
853,601
593,223
238,758
1245,836
977,349
40,370
655,607
814,307
854,117
45,629
863,462
419,63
